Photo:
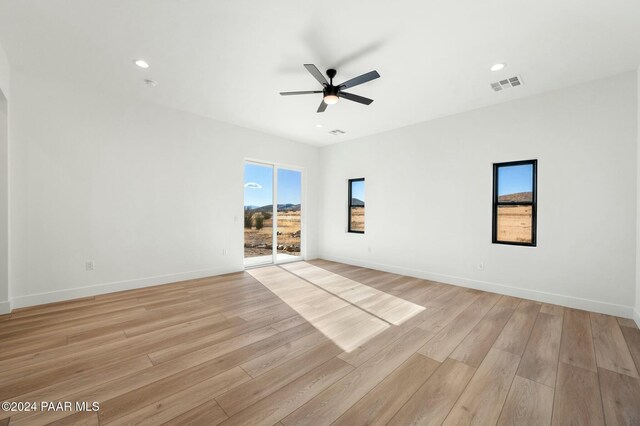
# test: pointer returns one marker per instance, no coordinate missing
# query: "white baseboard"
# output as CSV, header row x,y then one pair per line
x,y
558,299
5,307
78,292
540,296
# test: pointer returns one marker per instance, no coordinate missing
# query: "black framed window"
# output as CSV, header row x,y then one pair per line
x,y
514,202
356,206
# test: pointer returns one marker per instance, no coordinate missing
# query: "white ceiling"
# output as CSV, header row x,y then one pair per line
x,y
228,59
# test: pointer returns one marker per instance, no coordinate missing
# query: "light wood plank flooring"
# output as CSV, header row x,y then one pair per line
x,y
319,343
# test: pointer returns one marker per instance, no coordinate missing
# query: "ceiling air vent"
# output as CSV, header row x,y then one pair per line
x,y
506,83
337,132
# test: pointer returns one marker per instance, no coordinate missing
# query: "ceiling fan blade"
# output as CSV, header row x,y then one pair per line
x,y
371,75
315,72
306,92
322,106
355,98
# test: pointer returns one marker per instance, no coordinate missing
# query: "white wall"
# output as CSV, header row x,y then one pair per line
x,y
147,192
429,189
636,313
5,306
4,207
150,194
4,72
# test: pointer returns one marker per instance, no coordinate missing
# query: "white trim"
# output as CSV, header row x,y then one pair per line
x,y
540,296
636,316
78,292
5,307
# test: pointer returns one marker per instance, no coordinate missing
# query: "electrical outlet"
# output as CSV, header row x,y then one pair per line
x,y
481,266
369,249
89,265
224,251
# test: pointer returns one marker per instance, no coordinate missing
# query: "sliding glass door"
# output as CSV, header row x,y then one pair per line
x,y
289,224
272,214
258,214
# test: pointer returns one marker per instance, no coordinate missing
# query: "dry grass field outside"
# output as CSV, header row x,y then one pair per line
x,y
357,219
514,224
260,242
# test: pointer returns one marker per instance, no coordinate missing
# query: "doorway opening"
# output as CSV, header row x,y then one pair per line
x,y
273,220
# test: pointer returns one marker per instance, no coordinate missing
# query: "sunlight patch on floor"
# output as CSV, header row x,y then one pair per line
x,y
345,324
392,309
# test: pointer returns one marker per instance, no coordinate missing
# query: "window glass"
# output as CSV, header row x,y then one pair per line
x,y
514,203
356,205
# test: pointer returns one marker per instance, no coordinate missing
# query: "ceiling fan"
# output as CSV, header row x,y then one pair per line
x,y
330,93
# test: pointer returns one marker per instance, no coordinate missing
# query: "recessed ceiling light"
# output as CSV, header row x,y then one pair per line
x,y
150,82
141,63
498,67
318,125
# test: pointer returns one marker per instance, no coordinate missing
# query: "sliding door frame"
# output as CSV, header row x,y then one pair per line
x,y
274,214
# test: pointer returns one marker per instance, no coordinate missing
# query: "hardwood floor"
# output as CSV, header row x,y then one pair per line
x,y
318,343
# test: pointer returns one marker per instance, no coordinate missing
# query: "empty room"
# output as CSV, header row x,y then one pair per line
x,y
299,213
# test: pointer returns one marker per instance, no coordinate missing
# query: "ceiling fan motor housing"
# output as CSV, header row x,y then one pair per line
x,y
330,91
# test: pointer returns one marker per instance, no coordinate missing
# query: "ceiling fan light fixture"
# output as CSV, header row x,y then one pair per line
x,y
332,93
331,99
